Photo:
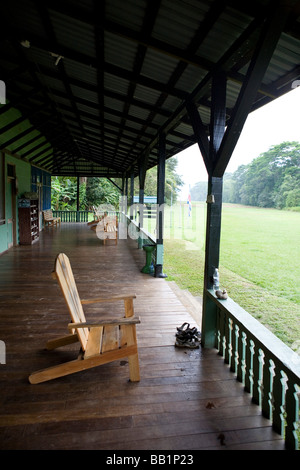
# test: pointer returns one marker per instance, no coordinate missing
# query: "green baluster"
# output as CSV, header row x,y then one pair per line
x,y
292,415
267,398
278,400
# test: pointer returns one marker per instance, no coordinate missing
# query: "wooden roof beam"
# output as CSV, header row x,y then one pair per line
x,y
265,47
148,24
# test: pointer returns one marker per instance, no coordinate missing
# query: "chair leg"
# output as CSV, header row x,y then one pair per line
x,y
129,338
134,368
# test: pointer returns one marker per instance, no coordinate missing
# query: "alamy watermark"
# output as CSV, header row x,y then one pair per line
x,y
2,92
2,352
171,222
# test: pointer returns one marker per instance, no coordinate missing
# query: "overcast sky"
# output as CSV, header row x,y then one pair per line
x,y
272,124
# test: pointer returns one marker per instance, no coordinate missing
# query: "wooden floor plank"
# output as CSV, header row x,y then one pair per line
x,y
185,399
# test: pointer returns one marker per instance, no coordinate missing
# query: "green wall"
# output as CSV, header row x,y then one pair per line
x,y
23,174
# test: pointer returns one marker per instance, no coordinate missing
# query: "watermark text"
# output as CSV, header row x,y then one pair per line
x,y
2,352
2,92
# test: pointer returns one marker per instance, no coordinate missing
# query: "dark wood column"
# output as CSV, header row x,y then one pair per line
x,y
77,202
161,165
215,185
142,178
126,186
214,206
209,149
217,150
131,194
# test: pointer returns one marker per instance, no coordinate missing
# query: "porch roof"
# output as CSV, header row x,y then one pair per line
x,y
90,86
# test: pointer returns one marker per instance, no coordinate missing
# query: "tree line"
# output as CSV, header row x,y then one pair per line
x,y
270,180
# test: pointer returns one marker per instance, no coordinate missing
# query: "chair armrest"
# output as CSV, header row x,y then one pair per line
x,y
108,299
111,322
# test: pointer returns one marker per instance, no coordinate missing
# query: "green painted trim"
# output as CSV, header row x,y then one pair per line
x,y
160,254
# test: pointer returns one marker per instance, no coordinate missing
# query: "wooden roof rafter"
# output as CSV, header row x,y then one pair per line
x,y
121,77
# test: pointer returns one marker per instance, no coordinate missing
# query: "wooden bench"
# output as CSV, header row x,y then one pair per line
x,y
107,229
111,230
104,341
49,220
97,216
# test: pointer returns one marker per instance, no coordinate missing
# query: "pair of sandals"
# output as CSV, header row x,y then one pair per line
x,y
187,337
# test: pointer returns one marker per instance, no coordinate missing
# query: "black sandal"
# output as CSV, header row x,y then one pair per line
x,y
182,332
188,342
181,328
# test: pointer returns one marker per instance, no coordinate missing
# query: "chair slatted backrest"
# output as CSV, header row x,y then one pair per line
x,y
67,284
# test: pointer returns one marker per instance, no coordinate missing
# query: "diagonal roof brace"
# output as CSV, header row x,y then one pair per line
x,y
265,47
115,184
200,133
209,146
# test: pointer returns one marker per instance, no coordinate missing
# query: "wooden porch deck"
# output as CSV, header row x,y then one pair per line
x,y
186,399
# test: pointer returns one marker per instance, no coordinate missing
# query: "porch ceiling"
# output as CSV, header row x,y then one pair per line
x,y
97,82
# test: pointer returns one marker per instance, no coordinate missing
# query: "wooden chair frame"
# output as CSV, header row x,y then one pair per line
x,y
101,342
107,229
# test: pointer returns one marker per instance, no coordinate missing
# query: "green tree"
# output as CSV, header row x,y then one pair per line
x,y
199,191
92,192
101,191
270,180
64,193
237,182
289,191
173,181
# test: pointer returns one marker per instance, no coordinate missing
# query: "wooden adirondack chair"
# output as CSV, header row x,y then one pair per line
x,y
102,342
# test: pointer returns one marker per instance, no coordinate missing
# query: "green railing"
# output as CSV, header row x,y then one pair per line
x,y
77,216
72,216
268,369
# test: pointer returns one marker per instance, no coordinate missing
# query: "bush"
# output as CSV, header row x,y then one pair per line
x,y
92,192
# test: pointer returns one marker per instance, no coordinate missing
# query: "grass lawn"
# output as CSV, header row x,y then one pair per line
x,y
259,261
262,245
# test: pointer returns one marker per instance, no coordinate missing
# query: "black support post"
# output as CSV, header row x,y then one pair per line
x,y
217,150
78,184
142,178
131,194
213,229
161,186
209,149
215,185
161,165
214,207
126,186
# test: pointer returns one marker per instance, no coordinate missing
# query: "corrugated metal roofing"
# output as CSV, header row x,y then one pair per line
x,y
177,21
101,80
